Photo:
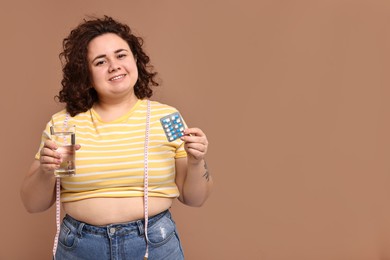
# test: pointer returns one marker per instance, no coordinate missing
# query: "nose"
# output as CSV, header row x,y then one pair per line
x,y
113,67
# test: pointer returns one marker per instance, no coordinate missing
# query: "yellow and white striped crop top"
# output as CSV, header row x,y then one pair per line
x,y
110,162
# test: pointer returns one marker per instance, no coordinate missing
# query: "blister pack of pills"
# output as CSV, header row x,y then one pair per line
x,y
173,126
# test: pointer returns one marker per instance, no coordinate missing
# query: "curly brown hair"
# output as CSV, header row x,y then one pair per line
x,y
77,91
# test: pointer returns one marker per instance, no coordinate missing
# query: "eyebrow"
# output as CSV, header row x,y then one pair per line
x,y
104,55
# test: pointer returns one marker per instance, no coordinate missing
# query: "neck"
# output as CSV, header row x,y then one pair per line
x,y
111,110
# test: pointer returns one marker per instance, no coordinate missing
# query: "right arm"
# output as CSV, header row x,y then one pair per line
x,y
37,191
38,187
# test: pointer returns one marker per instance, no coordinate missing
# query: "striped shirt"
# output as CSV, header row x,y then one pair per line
x,y
110,162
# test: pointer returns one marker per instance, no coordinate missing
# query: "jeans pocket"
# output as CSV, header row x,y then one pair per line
x,y
68,236
161,232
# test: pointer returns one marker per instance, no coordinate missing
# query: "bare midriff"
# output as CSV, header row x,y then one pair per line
x,y
104,211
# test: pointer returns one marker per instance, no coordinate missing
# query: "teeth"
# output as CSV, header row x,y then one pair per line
x,y
117,77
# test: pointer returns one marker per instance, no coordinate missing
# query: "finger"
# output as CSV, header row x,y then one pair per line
x,y
196,146
194,131
50,153
193,139
50,160
50,144
199,137
49,167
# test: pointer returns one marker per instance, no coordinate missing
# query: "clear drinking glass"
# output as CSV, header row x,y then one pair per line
x,y
65,138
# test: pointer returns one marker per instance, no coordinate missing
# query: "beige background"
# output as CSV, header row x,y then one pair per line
x,y
293,96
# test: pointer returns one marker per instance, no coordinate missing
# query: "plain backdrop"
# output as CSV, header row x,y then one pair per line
x,y
292,94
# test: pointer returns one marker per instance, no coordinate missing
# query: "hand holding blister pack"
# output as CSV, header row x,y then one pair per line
x,y
173,126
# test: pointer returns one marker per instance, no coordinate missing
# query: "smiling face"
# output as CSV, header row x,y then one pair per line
x,y
112,66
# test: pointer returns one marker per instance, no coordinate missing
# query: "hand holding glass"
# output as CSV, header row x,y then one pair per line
x,y
65,139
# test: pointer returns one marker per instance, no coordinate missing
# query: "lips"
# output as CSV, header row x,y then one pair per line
x,y
117,77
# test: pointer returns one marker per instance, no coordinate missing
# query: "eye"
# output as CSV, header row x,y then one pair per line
x,y
121,55
99,63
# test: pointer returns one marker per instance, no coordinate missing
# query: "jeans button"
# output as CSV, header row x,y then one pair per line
x,y
112,230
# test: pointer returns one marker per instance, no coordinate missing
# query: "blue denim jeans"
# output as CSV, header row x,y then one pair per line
x,y
78,240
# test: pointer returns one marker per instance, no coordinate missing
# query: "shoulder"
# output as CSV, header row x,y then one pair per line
x,y
160,108
61,115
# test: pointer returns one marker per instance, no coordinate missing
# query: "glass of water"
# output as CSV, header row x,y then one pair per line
x,y
65,138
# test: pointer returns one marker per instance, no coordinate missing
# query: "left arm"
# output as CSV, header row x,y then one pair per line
x,y
192,176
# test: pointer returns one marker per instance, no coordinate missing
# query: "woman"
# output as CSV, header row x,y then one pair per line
x,y
107,80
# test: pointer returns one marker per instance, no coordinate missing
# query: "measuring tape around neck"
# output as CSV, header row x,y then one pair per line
x,y
146,177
